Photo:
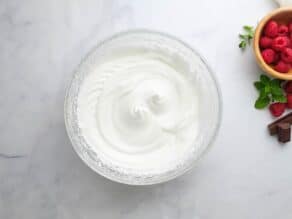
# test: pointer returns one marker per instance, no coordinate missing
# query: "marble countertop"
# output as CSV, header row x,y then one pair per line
x,y
247,174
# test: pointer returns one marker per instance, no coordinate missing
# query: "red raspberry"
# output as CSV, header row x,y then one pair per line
x,y
277,109
286,55
269,55
290,27
277,57
265,42
271,29
283,30
289,101
281,42
288,87
282,67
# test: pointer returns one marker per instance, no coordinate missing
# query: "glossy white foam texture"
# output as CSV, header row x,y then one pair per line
x,y
149,133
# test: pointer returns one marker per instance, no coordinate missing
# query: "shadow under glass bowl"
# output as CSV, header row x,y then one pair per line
x,y
201,76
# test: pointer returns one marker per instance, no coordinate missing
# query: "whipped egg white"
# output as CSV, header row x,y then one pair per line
x,y
139,111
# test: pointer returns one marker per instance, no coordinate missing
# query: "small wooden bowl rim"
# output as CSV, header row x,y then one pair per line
x,y
256,47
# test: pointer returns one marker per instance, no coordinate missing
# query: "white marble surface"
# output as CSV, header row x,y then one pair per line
x,y
247,174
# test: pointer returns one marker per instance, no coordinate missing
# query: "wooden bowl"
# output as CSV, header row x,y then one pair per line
x,y
281,15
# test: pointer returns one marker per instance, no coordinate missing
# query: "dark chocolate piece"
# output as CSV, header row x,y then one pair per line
x,y
285,119
284,132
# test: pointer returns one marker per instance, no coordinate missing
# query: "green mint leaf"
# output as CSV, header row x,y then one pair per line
x,y
250,33
264,94
248,28
262,102
243,37
270,90
267,89
275,83
279,98
265,79
283,99
259,85
246,36
242,45
276,91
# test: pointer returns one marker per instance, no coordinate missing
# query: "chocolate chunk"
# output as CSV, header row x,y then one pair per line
x,y
284,132
273,126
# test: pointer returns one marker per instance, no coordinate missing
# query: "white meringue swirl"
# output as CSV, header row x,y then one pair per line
x,y
138,111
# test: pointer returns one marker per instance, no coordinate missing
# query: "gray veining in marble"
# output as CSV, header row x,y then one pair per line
x,y
245,175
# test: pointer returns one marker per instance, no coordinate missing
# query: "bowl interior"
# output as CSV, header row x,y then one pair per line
x,y
283,16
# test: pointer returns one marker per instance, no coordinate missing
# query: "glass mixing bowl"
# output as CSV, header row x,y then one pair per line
x,y
201,75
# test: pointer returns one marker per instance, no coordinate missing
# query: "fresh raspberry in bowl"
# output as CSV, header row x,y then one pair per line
x,y
266,42
283,30
282,67
271,29
280,43
269,56
286,55
273,43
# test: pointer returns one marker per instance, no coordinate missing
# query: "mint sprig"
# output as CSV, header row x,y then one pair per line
x,y
270,90
246,36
